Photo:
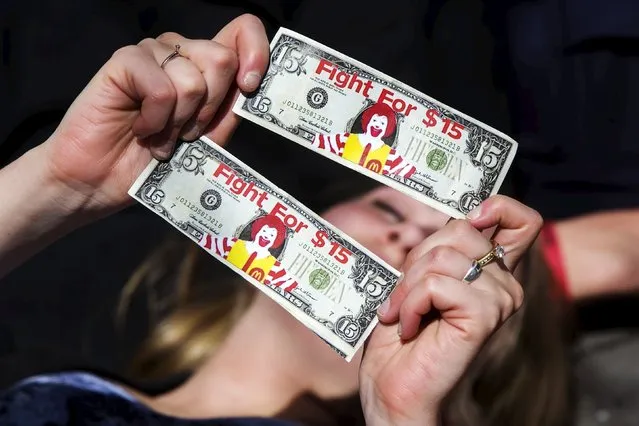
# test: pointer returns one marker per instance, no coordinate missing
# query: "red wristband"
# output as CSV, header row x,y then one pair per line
x,y
552,255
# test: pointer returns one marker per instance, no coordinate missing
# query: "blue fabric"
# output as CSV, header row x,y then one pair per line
x,y
590,19
84,399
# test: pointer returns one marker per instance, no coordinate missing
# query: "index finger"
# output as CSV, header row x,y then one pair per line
x,y
247,36
517,225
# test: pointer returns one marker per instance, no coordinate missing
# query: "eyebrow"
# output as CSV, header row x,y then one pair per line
x,y
389,209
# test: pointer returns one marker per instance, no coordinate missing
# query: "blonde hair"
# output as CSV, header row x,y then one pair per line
x,y
207,301
520,377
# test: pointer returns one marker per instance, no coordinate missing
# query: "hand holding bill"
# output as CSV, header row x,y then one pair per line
x,y
408,368
144,98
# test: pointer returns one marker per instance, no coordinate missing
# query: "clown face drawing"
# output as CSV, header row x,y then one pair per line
x,y
369,149
377,126
253,256
265,237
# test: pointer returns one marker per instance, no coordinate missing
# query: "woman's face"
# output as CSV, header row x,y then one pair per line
x,y
386,222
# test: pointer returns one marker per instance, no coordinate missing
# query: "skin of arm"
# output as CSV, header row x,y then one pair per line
x,y
35,209
600,253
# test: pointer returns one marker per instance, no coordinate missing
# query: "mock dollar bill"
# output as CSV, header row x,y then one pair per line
x,y
322,277
366,120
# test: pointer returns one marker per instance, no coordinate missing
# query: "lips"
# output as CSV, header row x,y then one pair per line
x,y
375,131
263,242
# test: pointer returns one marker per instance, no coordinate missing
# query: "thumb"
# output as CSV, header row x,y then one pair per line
x,y
517,225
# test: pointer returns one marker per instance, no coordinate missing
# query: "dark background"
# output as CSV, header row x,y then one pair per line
x,y
562,77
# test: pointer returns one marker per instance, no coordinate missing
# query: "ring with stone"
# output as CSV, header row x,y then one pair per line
x,y
172,55
497,253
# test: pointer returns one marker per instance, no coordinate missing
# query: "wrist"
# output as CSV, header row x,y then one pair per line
x,y
59,199
427,420
80,196
380,410
35,209
384,417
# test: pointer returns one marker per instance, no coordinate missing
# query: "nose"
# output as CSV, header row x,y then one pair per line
x,y
406,235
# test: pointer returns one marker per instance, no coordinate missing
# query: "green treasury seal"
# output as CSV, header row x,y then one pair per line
x,y
319,279
436,159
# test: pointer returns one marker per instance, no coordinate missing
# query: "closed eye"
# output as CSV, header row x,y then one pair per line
x,y
388,209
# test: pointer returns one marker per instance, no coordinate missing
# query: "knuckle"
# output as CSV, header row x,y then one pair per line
x,y
163,94
497,201
476,332
126,53
147,43
191,87
507,304
225,58
518,296
536,220
461,228
431,282
249,19
491,315
167,37
412,257
500,202
439,255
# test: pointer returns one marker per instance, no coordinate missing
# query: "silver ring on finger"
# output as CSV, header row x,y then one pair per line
x,y
173,55
473,272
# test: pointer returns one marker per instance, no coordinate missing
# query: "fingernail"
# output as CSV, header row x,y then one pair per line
x,y
165,151
399,329
474,213
384,307
252,80
192,132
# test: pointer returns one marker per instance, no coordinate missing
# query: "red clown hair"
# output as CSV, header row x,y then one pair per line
x,y
272,222
382,110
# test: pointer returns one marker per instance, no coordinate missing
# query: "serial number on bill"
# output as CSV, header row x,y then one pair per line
x,y
198,211
435,137
308,112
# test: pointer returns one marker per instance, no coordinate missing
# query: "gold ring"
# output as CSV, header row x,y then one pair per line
x,y
173,55
497,253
